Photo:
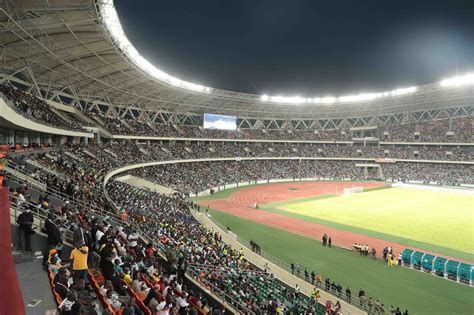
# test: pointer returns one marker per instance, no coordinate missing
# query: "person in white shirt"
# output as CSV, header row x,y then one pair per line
x,y
99,234
165,306
181,301
133,240
67,304
113,300
20,199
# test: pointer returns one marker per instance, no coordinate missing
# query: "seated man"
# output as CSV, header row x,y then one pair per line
x,y
83,294
113,300
109,288
62,272
62,287
139,287
70,305
131,308
54,265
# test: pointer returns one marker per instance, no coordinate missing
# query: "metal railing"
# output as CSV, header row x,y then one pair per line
x,y
38,213
354,300
239,306
11,164
61,196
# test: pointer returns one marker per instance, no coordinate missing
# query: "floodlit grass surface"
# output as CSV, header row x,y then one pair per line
x,y
418,292
438,221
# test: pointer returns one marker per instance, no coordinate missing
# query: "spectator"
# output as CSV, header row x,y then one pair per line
x,y
348,294
79,261
25,222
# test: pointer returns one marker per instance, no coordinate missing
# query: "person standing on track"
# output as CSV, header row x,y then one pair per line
x,y
348,295
374,253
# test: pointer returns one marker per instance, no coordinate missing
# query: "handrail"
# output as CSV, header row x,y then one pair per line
x,y
36,214
20,170
219,292
75,202
355,300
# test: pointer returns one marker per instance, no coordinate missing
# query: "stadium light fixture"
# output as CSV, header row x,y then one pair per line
x,y
114,27
458,81
341,99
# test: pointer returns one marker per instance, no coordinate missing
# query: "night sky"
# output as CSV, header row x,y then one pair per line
x,y
306,48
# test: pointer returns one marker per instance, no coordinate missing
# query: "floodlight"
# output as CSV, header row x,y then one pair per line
x,y
114,27
459,80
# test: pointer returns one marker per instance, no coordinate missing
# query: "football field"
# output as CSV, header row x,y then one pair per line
x,y
441,219
292,217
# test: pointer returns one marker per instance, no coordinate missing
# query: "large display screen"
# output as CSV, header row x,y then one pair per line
x,y
212,121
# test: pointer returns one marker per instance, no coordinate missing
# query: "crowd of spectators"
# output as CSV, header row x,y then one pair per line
x,y
35,108
215,264
195,177
446,174
182,150
210,174
81,171
109,263
174,217
439,130
431,131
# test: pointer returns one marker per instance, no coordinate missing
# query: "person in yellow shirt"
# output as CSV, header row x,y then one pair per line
x,y
79,261
126,275
389,260
394,260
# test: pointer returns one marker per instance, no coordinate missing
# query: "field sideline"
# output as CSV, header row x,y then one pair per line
x,y
276,202
418,292
285,207
444,220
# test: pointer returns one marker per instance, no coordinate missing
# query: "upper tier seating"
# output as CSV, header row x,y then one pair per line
x,y
431,131
34,108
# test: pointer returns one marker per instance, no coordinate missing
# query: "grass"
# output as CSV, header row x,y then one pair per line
x,y
227,192
221,194
439,221
418,292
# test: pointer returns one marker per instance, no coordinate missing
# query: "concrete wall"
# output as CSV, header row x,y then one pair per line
x,y
24,123
145,184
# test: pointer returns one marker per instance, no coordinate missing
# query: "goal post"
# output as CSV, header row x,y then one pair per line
x,y
353,190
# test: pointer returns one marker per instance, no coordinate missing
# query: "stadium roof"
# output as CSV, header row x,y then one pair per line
x,y
78,47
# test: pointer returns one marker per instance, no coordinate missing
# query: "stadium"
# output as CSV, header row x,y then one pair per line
x,y
127,190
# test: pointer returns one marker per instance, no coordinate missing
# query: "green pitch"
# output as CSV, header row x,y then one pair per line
x,y
418,292
438,221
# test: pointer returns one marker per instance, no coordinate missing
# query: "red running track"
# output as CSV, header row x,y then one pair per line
x,y
240,204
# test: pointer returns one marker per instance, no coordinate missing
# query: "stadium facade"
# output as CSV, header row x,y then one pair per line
x,y
75,52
